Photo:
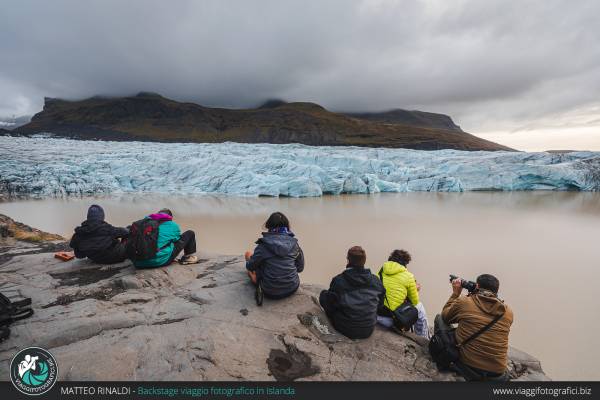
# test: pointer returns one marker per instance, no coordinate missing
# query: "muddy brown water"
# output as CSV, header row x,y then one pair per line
x,y
544,248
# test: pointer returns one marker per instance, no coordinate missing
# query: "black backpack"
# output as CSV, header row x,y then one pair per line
x,y
142,242
444,349
405,315
13,307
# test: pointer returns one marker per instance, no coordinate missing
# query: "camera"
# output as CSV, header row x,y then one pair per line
x,y
469,285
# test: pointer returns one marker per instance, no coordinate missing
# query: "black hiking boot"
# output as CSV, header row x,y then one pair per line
x,y
258,295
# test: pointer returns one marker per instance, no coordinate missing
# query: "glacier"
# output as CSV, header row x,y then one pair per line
x,y
42,166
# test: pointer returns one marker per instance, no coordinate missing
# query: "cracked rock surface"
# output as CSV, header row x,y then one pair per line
x,y
195,322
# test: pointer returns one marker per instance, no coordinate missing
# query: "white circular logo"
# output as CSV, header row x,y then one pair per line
x,y
33,371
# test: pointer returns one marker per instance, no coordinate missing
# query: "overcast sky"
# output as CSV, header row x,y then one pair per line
x,y
523,73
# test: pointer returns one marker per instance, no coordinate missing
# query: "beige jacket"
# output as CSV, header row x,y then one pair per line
x,y
488,351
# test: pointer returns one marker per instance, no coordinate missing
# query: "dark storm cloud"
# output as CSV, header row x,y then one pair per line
x,y
481,61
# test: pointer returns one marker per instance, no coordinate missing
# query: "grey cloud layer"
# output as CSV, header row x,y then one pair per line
x,y
481,61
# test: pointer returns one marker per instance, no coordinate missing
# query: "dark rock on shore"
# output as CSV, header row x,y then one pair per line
x,y
151,117
17,239
19,231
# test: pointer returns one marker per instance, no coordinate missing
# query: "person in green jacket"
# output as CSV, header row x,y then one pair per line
x,y
170,243
400,285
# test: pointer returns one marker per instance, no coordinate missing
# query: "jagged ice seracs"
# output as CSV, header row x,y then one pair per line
x,y
41,166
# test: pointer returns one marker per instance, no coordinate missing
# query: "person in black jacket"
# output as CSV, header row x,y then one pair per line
x,y
98,240
353,296
276,261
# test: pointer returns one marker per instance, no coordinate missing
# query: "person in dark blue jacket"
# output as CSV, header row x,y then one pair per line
x,y
276,261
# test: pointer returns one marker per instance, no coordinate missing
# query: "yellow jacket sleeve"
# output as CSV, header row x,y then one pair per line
x,y
412,292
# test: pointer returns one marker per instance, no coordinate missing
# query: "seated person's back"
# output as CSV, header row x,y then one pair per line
x,y
353,297
398,281
489,351
170,241
400,287
277,259
98,240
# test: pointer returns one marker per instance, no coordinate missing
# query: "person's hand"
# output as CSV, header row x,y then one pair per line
x,y
418,286
456,286
247,255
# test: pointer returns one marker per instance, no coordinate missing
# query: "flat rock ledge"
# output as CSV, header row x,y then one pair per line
x,y
196,322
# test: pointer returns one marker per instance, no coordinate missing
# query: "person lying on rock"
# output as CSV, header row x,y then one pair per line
x,y
400,286
277,260
98,240
169,242
485,357
353,296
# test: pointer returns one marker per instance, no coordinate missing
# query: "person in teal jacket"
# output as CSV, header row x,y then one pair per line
x,y
170,243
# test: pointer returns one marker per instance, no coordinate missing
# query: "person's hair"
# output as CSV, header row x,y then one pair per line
x,y
277,220
356,256
166,211
488,282
400,256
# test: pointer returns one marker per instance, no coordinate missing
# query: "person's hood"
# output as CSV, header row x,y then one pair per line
x,y
280,244
488,302
161,217
89,226
392,268
95,213
357,276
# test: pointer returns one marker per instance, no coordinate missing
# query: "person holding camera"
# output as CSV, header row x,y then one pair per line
x,y
484,322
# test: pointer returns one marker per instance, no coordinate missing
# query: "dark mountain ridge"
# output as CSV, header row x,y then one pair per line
x,y
410,117
152,117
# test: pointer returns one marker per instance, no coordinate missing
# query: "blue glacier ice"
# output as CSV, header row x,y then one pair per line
x,y
40,167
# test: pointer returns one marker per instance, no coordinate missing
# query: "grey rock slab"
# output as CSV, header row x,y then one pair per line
x,y
198,322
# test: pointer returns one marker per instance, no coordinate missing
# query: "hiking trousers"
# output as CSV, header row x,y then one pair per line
x,y
421,326
187,243
112,255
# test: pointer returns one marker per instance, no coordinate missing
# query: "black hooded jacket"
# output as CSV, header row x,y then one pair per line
x,y
94,237
277,259
354,296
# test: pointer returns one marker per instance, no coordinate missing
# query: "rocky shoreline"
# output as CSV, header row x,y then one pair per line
x,y
195,322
